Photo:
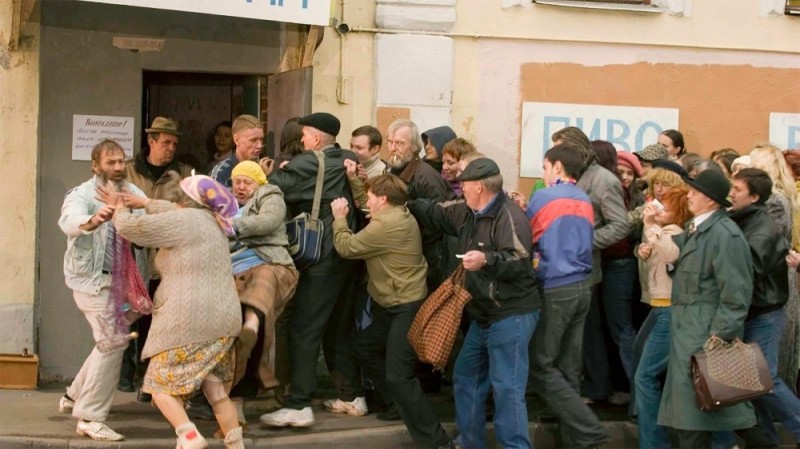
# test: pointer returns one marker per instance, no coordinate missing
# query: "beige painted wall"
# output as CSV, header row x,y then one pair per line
x,y
19,111
19,123
488,74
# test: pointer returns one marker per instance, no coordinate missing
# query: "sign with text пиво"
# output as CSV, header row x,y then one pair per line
x,y
627,128
309,12
784,130
89,130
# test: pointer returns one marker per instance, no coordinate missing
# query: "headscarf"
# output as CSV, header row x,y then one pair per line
x,y
215,196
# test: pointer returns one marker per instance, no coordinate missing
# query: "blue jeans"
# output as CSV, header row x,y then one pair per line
x,y
767,330
494,356
648,380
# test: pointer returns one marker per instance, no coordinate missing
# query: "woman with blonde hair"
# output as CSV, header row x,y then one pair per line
x,y
783,207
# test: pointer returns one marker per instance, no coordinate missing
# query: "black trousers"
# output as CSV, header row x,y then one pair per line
x,y
388,359
323,308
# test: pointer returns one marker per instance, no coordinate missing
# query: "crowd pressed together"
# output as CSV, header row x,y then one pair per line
x,y
707,244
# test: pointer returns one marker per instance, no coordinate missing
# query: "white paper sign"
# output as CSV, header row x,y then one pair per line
x,y
89,130
784,130
627,128
309,12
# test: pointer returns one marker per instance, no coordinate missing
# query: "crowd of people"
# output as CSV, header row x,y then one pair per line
x,y
555,279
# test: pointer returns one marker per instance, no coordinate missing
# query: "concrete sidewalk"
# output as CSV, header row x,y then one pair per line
x,y
30,419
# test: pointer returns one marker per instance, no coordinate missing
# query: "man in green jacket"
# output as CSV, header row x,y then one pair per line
x,y
711,292
392,248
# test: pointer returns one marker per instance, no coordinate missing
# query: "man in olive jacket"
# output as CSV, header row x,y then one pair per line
x,y
392,248
711,292
494,243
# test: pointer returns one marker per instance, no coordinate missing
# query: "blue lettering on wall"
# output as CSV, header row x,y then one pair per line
x,y
640,134
548,120
280,3
619,139
793,137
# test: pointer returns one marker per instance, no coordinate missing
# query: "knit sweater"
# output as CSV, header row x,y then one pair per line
x,y
196,300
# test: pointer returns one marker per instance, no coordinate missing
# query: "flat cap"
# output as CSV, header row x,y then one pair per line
x,y
478,169
652,152
322,121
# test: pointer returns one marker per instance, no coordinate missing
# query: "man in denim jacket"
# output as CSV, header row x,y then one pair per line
x,y
87,271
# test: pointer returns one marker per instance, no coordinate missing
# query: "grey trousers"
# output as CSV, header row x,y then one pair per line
x,y
94,386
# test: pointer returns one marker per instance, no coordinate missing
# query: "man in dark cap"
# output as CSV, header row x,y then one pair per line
x,y
323,300
494,244
711,293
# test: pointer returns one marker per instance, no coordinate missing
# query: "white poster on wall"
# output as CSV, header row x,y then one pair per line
x,y
628,128
784,130
89,130
309,12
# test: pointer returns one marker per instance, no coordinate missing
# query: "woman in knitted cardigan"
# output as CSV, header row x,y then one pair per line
x,y
196,313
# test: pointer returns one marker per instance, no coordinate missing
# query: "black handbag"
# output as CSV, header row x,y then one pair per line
x,y
726,374
305,230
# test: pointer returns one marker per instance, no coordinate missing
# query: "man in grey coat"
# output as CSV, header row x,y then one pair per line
x,y
610,226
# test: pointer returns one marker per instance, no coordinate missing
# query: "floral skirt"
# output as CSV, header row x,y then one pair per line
x,y
180,371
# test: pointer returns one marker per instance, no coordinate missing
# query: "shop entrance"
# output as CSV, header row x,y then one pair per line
x,y
198,102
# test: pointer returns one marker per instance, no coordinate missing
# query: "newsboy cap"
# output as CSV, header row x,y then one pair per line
x,y
652,152
479,169
322,121
164,125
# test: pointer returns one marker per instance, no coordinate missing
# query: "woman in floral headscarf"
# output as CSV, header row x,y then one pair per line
x,y
196,314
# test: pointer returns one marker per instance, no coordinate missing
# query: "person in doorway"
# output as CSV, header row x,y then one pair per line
x,y
248,136
392,248
220,144
150,170
88,264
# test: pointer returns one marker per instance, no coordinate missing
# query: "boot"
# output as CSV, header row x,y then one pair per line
x,y
233,439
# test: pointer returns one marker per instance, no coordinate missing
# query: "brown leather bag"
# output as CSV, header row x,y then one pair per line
x,y
435,326
726,374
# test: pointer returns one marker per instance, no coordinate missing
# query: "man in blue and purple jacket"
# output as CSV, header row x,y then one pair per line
x,y
562,223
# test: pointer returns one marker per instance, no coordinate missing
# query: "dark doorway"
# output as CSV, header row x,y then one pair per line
x,y
197,102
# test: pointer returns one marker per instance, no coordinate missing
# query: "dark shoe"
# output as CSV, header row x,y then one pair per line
x,y
198,408
125,386
144,397
390,414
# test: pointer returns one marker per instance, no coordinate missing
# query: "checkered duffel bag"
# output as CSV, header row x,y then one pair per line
x,y
434,329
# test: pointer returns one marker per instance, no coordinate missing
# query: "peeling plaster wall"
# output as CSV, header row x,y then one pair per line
x,y
19,111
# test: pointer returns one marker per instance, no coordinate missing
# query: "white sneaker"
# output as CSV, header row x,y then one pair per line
x,y
289,417
65,404
97,431
357,407
619,398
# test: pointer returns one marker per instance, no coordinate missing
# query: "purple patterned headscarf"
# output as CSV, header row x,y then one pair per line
x,y
208,192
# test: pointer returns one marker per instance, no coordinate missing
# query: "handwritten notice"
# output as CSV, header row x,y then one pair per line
x,y
89,130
